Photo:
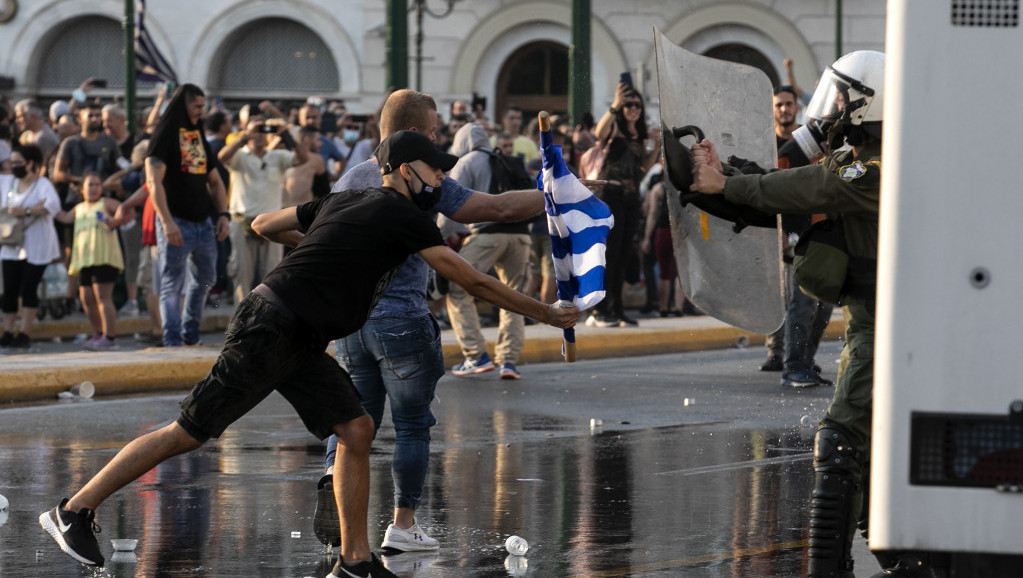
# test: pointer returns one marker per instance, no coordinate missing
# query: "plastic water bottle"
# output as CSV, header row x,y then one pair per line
x,y
516,546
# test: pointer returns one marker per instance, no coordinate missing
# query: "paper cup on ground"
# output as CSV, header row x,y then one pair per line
x,y
85,389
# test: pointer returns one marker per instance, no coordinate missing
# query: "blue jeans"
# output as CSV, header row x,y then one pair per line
x,y
805,322
195,260
401,359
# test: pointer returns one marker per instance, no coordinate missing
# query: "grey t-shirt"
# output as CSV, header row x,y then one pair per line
x,y
406,295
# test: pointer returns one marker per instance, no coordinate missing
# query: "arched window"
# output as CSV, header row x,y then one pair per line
x,y
91,46
274,55
744,55
535,78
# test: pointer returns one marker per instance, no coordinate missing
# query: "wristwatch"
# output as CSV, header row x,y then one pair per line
x,y
28,211
612,110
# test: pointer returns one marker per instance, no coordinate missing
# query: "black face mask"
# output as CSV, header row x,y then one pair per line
x,y
427,197
19,172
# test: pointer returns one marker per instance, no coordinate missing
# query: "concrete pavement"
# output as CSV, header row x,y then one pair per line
x,y
34,376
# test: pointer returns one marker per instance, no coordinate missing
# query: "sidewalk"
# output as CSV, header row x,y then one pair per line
x,y
33,377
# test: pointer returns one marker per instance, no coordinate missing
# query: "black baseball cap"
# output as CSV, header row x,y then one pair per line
x,y
406,146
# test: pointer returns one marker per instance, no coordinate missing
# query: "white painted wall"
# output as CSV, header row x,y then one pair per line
x,y
466,49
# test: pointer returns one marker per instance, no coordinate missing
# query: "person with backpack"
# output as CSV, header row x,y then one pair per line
x,y
502,246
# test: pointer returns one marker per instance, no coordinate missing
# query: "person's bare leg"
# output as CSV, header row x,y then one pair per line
x,y
107,311
87,293
135,459
351,486
404,518
28,319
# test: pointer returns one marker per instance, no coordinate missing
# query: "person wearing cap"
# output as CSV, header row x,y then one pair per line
x,y
347,248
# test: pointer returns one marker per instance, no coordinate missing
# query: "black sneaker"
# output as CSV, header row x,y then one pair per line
x,y
772,364
21,341
75,532
372,568
6,339
326,524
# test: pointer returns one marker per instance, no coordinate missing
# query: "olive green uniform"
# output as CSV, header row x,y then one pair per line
x,y
850,187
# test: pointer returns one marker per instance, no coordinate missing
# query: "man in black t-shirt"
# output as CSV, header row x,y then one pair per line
x,y
191,202
347,248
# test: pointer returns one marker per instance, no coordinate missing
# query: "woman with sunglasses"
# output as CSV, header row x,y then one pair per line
x,y
622,131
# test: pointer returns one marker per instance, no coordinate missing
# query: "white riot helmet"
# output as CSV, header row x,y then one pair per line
x,y
850,93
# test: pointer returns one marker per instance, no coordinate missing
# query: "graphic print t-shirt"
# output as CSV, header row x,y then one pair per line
x,y
188,162
355,243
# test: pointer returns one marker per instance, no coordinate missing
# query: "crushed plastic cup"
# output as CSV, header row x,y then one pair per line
x,y
516,546
124,544
807,421
516,565
123,557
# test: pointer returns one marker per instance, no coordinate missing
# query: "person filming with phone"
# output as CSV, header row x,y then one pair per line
x,y
256,187
622,136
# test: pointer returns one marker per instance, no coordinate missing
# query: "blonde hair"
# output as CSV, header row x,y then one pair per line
x,y
405,109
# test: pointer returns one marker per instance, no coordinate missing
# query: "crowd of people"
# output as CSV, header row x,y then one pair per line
x,y
168,263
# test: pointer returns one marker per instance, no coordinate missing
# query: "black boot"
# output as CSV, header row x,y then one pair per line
x,y
835,505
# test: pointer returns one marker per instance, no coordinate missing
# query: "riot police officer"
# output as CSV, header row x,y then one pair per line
x,y
846,112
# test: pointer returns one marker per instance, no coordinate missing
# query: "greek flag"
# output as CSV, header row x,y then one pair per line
x,y
579,224
149,63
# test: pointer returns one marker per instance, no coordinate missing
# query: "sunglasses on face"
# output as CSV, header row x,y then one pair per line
x,y
632,105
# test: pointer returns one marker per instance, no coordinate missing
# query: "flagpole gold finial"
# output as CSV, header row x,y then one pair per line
x,y
545,120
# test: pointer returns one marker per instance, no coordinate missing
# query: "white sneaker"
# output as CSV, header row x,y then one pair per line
x,y
413,539
130,309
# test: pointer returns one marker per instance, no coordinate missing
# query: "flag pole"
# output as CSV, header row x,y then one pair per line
x,y
568,344
129,65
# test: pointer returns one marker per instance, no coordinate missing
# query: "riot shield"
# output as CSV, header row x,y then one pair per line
x,y
733,273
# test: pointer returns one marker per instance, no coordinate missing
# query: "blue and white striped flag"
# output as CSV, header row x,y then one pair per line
x,y
149,63
579,224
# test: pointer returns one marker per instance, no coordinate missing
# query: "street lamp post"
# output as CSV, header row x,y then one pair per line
x,y
421,7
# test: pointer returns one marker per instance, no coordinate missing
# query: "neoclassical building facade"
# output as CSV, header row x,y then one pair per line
x,y
509,51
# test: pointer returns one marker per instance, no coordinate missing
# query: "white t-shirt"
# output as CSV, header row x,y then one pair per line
x,y
41,245
257,184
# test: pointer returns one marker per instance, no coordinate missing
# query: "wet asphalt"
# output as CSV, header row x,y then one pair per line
x,y
691,464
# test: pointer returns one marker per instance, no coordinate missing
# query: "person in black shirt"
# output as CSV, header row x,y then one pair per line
x,y
347,248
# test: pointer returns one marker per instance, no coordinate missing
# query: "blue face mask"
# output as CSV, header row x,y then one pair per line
x,y
351,135
427,197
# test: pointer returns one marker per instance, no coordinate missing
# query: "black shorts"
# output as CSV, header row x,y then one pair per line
x,y
98,274
268,348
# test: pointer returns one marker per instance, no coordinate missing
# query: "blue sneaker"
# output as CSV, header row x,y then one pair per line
x,y
482,364
508,371
802,378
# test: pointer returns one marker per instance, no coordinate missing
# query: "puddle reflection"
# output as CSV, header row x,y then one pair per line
x,y
668,501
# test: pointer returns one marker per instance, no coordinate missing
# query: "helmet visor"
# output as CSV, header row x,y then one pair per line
x,y
838,95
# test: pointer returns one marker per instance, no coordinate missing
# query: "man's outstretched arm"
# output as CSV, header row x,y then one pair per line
x,y
279,226
457,270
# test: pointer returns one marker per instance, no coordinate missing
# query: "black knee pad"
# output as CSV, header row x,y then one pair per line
x,y
836,505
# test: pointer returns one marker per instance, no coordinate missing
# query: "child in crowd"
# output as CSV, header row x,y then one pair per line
x,y
96,257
